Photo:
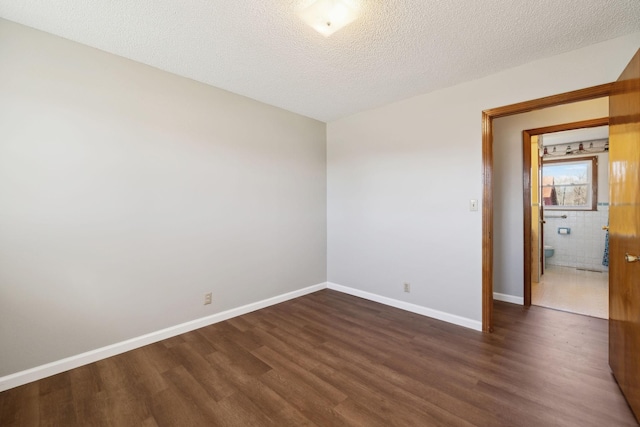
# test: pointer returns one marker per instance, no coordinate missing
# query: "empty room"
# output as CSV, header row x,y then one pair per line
x,y
315,212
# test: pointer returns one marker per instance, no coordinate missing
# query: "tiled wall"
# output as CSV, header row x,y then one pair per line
x,y
584,247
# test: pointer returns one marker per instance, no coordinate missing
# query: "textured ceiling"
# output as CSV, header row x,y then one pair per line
x,y
395,50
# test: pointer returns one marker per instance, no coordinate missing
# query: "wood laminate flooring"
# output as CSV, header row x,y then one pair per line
x,y
330,359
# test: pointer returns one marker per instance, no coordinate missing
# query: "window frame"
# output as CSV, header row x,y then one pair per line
x,y
591,185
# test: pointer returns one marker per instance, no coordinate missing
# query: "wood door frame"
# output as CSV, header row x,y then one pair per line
x,y
487,177
526,182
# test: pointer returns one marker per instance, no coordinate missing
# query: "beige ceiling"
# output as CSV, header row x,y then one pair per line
x,y
395,50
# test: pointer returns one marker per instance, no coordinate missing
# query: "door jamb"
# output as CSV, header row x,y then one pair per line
x,y
526,181
487,178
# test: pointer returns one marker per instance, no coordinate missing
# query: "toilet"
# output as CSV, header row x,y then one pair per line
x,y
548,253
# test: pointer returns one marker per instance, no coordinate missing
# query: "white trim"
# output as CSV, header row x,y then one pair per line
x,y
414,308
53,368
508,298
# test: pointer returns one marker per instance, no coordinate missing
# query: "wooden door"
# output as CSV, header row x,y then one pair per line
x,y
624,233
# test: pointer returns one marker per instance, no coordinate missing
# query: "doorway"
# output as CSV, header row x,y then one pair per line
x,y
509,241
568,209
624,246
488,117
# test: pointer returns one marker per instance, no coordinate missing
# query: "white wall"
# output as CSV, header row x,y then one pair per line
x,y
400,178
126,193
508,267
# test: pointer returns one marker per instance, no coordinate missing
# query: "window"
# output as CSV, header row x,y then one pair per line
x,y
570,184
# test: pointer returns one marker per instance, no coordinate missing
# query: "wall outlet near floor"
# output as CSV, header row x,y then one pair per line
x,y
407,287
207,298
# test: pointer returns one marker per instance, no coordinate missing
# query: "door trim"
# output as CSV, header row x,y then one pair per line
x,y
487,178
526,182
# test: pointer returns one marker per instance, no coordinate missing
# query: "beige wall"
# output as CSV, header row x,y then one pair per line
x,y
126,193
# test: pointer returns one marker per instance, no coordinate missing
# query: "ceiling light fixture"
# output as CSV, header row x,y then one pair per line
x,y
328,16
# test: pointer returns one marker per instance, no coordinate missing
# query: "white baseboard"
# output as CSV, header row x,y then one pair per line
x,y
53,368
508,298
414,308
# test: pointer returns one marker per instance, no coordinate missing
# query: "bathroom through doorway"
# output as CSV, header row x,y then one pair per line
x,y
569,217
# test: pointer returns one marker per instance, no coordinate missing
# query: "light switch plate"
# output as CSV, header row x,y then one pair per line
x,y
473,205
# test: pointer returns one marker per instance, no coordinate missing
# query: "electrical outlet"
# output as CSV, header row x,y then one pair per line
x,y
207,298
407,287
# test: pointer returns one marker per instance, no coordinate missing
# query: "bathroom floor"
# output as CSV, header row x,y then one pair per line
x,y
576,291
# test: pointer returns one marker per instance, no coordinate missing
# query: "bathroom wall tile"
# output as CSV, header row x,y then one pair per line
x,y
584,246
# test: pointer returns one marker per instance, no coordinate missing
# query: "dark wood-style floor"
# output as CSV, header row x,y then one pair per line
x,y
330,359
